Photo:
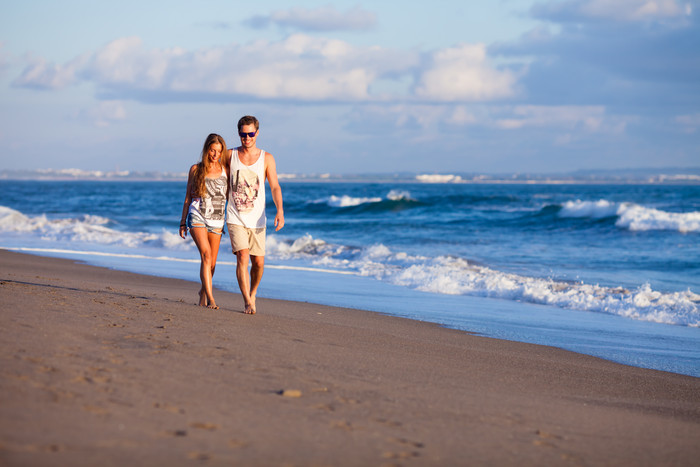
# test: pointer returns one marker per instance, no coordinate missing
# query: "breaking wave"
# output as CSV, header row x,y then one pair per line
x,y
632,216
84,229
344,201
457,276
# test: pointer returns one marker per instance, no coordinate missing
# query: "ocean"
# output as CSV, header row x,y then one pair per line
x,y
609,270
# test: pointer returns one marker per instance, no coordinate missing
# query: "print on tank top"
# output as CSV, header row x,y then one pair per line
x,y
247,185
215,205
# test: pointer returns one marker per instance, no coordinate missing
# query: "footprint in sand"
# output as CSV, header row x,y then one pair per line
x,y
96,410
389,423
343,425
400,455
168,407
204,426
326,407
237,444
407,442
94,375
546,439
198,456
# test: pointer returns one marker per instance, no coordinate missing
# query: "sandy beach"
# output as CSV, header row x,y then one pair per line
x,y
103,367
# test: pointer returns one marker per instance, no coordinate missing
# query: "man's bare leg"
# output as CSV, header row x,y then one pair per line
x,y
256,272
242,258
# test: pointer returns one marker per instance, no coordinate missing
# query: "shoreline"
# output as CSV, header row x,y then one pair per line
x,y
511,321
111,366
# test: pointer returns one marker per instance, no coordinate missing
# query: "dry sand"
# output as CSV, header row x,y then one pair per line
x,y
103,367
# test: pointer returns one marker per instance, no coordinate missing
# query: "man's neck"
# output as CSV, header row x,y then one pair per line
x,y
251,151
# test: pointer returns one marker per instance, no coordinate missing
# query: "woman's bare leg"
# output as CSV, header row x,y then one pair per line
x,y
201,239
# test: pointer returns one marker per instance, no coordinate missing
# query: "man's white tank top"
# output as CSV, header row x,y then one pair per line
x,y
246,201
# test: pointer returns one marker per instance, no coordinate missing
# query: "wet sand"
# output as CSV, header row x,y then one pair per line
x,y
102,367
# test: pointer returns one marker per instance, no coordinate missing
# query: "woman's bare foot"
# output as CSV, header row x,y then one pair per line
x,y
249,310
203,298
213,306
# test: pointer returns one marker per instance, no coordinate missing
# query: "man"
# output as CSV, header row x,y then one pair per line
x,y
245,216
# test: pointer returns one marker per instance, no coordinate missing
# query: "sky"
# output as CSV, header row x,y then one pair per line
x,y
352,87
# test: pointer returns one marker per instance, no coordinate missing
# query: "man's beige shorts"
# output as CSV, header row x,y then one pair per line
x,y
243,238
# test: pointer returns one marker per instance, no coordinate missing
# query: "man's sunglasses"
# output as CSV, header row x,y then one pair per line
x,y
243,134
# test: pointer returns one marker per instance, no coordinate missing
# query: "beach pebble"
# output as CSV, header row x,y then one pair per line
x,y
291,393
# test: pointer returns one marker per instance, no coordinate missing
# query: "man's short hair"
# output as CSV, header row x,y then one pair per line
x,y
248,120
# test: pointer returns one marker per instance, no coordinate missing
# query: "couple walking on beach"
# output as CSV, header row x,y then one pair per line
x,y
228,187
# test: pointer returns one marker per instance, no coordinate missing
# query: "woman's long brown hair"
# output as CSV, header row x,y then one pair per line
x,y
199,190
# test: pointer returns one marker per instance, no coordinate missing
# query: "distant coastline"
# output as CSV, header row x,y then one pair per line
x,y
668,176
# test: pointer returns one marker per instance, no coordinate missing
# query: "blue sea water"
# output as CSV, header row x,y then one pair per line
x,y
606,270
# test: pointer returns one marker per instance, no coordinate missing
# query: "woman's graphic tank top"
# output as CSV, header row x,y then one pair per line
x,y
212,207
246,203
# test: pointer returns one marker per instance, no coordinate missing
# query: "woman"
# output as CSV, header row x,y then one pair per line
x,y
204,211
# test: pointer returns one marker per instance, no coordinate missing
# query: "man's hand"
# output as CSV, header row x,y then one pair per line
x,y
279,221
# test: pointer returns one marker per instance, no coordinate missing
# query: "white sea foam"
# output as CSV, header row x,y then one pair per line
x,y
633,216
593,209
345,201
85,229
435,178
305,247
443,275
456,276
399,195
636,217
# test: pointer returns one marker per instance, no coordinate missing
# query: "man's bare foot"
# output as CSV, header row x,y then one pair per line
x,y
252,303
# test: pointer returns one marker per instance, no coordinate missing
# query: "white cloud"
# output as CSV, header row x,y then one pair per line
x,y
461,116
560,125
690,122
126,61
571,119
105,113
320,19
618,10
463,73
634,10
44,75
383,118
299,67
302,67
628,65
588,118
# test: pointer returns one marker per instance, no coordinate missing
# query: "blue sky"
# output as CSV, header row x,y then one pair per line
x,y
353,87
